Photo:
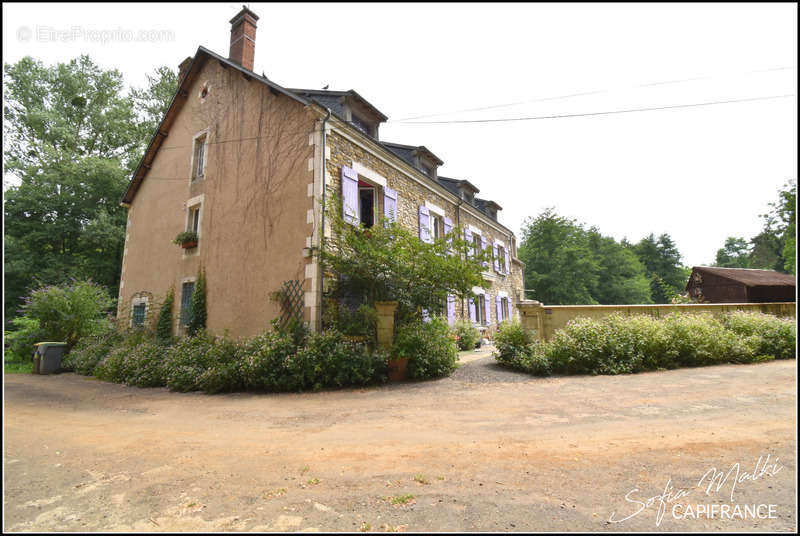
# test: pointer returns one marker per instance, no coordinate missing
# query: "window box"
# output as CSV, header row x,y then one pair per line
x,y
186,239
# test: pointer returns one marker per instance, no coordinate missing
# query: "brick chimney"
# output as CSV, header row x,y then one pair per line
x,y
243,38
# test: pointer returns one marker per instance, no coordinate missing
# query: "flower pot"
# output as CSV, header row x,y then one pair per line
x,y
189,245
397,369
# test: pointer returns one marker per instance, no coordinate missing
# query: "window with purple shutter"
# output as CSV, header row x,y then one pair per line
x,y
510,310
483,248
472,314
498,302
508,269
494,257
424,224
390,204
350,195
487,309
451,309
468,238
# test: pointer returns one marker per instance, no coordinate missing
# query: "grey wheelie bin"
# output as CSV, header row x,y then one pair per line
x,y
47,357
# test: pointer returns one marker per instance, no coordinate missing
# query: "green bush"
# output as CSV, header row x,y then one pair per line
x,y
223,373
429,347
20,341
197,311
264,361
164,323
330,360
69,312
468,335
144,365
771,335
90,350
512,341
620,344
186,360
111,368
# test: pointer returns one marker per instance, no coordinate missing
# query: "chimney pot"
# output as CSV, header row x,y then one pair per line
x,y
243,38
183,68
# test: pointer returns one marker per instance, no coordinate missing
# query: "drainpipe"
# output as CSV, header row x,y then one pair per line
x,y
458,224
322,225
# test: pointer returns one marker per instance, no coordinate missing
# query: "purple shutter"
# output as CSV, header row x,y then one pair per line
x,y
472,315
468,238
483,248
390,204
487,309
498,302
510,310
451,309
507,263
424,224
350,195
425,316
494,256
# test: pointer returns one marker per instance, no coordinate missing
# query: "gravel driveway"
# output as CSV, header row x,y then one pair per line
x,y
483,450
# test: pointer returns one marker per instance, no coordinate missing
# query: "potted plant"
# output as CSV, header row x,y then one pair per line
x,y
186,239
398,367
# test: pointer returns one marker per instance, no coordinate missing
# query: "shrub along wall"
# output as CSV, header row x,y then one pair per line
x,y
620,344
279,360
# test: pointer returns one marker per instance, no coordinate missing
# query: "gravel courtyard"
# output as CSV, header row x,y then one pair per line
x,y
484,450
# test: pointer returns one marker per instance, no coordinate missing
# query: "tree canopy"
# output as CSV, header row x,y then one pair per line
x,y
73,135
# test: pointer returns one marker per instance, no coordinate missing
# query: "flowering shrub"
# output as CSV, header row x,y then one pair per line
x,y
468,335
428,346
620,344
90,350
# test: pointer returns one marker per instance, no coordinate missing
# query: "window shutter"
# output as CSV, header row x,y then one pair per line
x,y
483,248
424,224
425,316
448,228
451,309
510,310
498,302
472,313
487,309
468,238
494,256
390,204
507,263
350,195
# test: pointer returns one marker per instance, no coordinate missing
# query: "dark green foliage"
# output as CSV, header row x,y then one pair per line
x,y
164,323
735,254
390,262
620,344
20,341
468,335
264,361
329,360
568,264
72,136
198,315
70,311
186,360
430,348
90,350
662,263
144,365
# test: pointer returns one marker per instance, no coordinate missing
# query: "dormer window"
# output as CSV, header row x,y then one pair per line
x,y
427,170
468,197
362,125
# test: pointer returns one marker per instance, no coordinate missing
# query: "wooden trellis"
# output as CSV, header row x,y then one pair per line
x,y
292,300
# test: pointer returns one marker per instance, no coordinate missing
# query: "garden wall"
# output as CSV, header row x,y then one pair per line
x,y
545,319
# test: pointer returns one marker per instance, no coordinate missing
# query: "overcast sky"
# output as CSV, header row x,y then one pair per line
x,y
700,174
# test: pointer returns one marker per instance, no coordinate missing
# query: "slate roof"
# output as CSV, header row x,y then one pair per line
x,y
750,277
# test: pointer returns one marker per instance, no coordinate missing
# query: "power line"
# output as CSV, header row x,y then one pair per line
x,y
583,94
587,114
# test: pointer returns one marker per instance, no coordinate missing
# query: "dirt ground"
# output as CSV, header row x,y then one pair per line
x,y
484,450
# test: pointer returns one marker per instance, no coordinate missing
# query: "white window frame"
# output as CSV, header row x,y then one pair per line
x,y
193,175
139,301
374,202
192,204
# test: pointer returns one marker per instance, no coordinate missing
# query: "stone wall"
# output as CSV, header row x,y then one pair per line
x,y
545,319
347,151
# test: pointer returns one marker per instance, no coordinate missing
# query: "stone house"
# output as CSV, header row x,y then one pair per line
x,y
246,164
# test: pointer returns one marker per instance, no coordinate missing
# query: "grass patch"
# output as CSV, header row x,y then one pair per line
x,y
18,367
420,479
404,499
313,482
